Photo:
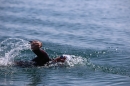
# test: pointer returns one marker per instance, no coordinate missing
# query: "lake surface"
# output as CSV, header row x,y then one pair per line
x,y
96,33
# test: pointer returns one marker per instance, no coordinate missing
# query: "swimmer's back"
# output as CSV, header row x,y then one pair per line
x,y
42,57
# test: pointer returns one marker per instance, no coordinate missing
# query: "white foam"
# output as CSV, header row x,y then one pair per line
x,y
75,60
71,60
10,48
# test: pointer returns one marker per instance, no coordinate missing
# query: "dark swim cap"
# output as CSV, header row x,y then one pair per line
x,y
61,56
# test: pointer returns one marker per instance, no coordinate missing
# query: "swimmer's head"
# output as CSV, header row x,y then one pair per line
x,y
35,44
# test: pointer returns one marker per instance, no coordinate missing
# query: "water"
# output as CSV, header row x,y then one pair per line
x,y
94,32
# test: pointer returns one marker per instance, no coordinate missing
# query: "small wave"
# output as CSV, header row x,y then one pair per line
x,y
109,69
10,48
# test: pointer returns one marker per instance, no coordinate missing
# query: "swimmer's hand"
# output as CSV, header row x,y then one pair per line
x,y
35,45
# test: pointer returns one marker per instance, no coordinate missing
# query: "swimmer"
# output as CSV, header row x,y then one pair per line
x,y
42,57
40,60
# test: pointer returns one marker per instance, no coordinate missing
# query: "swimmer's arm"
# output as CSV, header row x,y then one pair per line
x,y
54,60
58,59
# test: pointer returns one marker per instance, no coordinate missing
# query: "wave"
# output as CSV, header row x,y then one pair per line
x,y
109,69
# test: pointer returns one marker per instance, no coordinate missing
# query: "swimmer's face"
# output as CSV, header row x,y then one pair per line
x,y
35,45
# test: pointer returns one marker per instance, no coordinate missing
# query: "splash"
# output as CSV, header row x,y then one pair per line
x,y
72,61
75,60
10,48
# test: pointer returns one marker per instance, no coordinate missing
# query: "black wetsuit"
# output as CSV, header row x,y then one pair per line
x,y
41,59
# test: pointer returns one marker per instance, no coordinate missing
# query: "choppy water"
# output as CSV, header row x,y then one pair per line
x,y
95,32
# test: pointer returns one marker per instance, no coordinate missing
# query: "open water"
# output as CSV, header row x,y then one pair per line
x,y
96,33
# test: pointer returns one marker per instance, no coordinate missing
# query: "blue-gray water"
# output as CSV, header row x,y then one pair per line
x,y
96,32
